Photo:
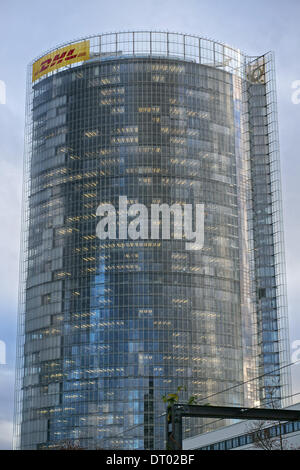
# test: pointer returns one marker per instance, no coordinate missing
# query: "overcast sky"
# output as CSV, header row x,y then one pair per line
x,y
28,28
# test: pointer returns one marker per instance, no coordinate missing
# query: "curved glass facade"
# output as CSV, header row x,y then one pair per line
x,y
109,326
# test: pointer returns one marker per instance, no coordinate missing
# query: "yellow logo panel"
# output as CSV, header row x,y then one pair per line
x,y
60,58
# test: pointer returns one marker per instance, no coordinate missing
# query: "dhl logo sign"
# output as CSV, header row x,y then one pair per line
x,y
60,58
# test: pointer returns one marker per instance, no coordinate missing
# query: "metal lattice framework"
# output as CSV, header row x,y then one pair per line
x,y
178,412
154,44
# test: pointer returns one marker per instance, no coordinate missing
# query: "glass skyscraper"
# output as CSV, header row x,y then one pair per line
x,y
106,327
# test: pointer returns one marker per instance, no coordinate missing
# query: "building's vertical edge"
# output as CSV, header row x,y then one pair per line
x,y
268,232
277,220
248,308
19,374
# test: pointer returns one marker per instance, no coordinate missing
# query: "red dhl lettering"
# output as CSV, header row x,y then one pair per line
x,y
61,58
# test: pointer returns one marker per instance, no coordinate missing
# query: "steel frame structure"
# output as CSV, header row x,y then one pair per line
x,y
179,411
